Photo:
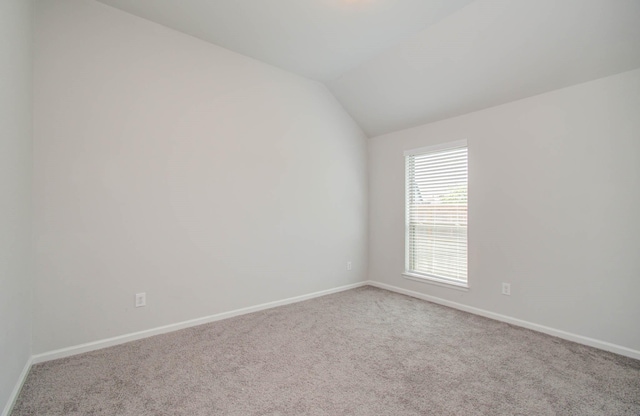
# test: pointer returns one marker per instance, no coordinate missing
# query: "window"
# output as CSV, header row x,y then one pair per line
x,y
436,213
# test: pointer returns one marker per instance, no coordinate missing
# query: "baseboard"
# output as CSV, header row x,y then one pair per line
x,y
603,345
16,390
92,346
96,345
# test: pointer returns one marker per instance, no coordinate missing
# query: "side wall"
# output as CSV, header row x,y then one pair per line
x,y
554,197
170,166
15,192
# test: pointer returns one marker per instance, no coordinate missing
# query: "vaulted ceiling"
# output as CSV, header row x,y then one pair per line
x,y
394,64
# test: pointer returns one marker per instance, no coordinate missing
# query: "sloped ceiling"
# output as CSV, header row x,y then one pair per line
x,y
318,39
490,53
399,63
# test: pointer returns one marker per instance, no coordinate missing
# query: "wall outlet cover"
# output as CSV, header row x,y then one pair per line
x,y
141,299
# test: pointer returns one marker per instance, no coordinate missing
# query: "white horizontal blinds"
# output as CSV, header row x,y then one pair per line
x,y
437,213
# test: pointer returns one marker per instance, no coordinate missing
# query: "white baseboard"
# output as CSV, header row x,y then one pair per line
x,y
603,345
16,390
91,346
96,345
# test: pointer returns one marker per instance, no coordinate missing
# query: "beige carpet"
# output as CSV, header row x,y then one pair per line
x,y
362,352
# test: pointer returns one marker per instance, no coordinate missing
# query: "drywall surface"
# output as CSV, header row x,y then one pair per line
x,y
170,166
15,192
554,197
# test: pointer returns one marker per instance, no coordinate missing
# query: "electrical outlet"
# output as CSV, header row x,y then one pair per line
x,y
349,265
506,289
141,299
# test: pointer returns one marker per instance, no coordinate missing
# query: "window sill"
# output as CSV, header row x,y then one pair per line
x,y
435,281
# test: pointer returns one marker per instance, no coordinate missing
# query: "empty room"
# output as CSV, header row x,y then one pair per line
x,y
319,207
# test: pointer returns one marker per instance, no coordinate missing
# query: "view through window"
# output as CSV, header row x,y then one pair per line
x,y
436,213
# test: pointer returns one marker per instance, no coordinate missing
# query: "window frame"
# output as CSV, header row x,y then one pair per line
x,y
423,277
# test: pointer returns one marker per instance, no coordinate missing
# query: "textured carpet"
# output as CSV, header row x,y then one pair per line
x,y
361,352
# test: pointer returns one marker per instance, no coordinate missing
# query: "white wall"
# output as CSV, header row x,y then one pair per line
x,y
554,201
170,166
15,192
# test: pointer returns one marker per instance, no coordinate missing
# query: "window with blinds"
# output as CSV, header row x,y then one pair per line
x,y
436,213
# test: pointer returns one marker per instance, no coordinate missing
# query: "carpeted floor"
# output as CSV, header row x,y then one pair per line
x,y
361,352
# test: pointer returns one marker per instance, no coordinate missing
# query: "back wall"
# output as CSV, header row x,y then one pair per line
x,y
554,199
